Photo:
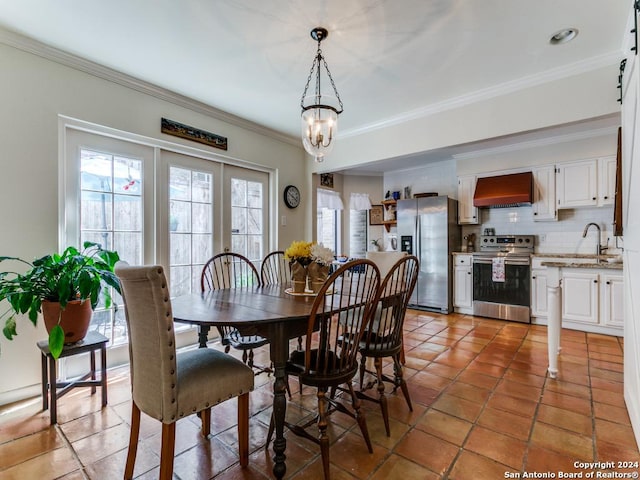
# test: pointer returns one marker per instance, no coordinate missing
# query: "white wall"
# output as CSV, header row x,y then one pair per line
x,y
584,96
34,92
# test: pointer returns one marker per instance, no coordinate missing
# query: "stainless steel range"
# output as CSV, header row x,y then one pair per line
x,y
502,277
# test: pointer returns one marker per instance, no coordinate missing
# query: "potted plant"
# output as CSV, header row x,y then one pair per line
x,y
60,286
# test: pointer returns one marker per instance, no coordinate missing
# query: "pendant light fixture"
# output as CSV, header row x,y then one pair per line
x,y
319,112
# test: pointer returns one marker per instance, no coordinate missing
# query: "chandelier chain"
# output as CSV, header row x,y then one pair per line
x,y
314,65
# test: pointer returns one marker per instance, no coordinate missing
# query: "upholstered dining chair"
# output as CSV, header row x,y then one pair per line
x,y
167,385
383,337
232,270
341,310
275,269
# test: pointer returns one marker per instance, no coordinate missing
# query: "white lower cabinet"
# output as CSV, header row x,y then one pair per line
x,y
539,292
580,296
463,283
612,302
592,298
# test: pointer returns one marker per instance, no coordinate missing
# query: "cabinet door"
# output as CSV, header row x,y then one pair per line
x,y
467,213
462,283
612,300
539,293
580,297
576,184
606,180
544,193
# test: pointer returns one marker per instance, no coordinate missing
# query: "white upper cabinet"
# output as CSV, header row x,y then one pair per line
x,y
544,193
606,180
577,184
467,213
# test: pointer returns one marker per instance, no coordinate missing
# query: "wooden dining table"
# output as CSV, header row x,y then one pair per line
x,y
268,311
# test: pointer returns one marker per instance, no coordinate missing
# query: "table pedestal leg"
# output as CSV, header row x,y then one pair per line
x,y
279,357
203,336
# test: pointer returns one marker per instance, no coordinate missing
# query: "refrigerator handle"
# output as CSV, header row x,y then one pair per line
x,y
418,232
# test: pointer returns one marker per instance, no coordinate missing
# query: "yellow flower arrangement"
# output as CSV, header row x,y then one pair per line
x,y
299,251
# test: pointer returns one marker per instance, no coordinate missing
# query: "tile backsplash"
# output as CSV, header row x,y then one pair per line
x,y
562,236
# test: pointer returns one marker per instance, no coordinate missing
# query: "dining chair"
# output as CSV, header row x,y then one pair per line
x,y
167,385
233,270
383,337
341,310
275,269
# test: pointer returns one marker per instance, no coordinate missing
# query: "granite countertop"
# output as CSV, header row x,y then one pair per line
x,y
573,255
599,265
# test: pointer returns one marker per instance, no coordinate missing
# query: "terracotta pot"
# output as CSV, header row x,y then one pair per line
x,y
74,321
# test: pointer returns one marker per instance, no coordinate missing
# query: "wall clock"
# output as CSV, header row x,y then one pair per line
x,y
291,196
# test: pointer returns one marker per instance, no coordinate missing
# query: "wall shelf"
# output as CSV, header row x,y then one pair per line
x,y
389,205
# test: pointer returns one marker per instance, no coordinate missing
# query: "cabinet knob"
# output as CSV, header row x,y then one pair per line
x,y
535,213
533,278
606,197
468,273
593,198
608,282
595,281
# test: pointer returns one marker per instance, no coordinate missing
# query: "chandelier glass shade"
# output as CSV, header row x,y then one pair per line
x,y
319,119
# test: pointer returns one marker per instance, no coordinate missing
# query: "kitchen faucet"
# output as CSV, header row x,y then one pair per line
x,y
599,248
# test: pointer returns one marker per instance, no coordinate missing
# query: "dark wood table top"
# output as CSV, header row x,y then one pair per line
x,y
241,306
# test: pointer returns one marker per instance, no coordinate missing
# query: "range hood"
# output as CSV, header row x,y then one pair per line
x,y
504,190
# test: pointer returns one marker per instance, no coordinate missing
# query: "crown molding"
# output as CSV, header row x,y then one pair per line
x,y
540,142
53,54
491,92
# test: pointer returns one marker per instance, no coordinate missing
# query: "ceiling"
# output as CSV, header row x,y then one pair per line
x,y
389,59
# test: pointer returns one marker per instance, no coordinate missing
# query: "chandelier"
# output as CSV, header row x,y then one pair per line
x,y
319,112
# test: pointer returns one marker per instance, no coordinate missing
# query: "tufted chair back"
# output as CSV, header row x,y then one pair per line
x,y
152,349
168,385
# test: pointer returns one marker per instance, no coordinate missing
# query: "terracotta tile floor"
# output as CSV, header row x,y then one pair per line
x,y
483,409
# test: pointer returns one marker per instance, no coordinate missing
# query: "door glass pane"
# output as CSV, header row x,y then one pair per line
x,y
190,227
247,210
111,215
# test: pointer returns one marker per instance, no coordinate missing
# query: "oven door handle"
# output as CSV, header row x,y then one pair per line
x,y
507,261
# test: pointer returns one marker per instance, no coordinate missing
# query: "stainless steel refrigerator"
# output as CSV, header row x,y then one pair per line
x,y
428,229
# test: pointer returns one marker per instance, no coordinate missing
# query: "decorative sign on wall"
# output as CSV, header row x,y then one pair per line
x,y
190,133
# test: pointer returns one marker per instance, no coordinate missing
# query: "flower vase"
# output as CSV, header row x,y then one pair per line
x,y
298,277
318,274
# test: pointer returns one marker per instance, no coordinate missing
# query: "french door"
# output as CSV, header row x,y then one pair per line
x,y
245,216
157,206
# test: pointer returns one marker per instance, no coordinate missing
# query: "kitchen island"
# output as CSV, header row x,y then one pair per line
x,y
587,293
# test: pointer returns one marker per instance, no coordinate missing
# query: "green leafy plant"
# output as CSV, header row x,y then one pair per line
x,y
72,275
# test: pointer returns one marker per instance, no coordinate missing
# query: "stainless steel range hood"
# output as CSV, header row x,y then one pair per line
x,y
504,190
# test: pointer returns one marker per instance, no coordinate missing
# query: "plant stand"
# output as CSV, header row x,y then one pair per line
x,y
51,387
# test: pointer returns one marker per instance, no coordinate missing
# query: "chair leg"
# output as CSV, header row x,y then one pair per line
x,y
133,442
205,417
323,438
363,365
399,379
167,451
381,396
272,428
362,421
243,429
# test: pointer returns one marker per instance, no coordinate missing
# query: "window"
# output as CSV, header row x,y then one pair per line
x,y
327,229
358,233
111,215
190,227
247,205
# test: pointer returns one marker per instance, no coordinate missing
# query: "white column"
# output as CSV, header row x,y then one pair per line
x,y
554,305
